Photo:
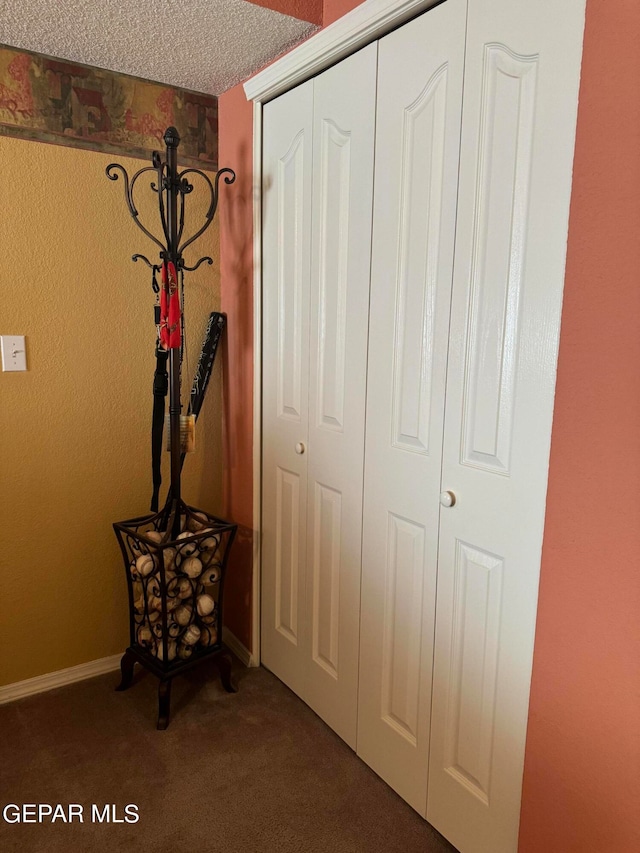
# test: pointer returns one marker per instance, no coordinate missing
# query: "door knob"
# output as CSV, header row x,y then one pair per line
x,y
447,499
300,448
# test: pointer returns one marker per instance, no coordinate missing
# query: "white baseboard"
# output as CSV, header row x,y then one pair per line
x,y
42,683
238,648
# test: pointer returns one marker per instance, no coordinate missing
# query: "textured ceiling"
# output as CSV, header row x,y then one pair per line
x,y
205,45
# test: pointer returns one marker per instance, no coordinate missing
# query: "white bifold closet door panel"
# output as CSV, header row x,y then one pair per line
x,y
343,143
419,108
519,116
316,267
287,177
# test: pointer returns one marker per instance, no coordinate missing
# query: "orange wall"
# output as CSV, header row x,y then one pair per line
x,y
582,770
334,9
235,120
305,10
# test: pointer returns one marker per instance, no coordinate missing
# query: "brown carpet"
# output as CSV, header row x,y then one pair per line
x,y
252,772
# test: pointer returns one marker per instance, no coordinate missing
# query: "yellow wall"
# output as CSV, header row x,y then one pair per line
x,y
75,429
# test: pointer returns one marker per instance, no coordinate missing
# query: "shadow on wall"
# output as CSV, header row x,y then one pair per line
x,y
236,235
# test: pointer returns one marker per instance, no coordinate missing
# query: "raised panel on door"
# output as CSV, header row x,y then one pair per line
x,y
344,120
520,100
287,170
417,146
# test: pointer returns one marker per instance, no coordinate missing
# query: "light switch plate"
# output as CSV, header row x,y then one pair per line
x,y
14,354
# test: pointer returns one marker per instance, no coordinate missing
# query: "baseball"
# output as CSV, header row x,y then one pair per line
x,y
154,535
182,614
205,605
197,521
144,636
171,650
172,603
190,547
144,565
212,574
208,636
210,543
153,587
192,567
191,635
185,590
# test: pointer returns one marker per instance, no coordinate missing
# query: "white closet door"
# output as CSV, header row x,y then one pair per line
x,y
287,171
344,122
417,146
520,100
316,267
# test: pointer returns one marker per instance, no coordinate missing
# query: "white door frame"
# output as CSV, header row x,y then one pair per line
x,y
367,22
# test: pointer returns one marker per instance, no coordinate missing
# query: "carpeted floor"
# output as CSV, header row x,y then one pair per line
x,y
252,772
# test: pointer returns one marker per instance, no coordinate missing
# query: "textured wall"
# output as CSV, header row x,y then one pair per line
x,y
582,768
75,451
236,269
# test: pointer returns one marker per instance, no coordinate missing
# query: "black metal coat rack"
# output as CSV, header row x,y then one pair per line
x,y
175,559
172,188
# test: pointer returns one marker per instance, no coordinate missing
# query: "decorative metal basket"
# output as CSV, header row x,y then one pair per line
x,y
176,590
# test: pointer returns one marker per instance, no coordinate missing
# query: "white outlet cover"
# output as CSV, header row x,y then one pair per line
x,y
14,354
